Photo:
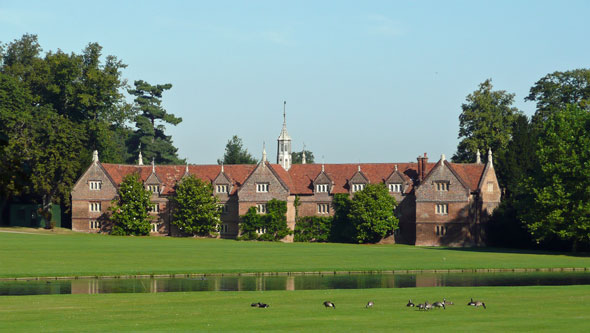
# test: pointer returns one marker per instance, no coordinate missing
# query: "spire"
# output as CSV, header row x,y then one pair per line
x,y
284,113
284,143
153,165
95,156
490,156
221,166
478,157
303,155
263,153
140,159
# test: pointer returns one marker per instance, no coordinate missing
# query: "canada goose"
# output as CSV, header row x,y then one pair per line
x,y
329,304
370,304
427,306
471,303
438,305
478,304
445,302
262,305
421,307
410,304
254,305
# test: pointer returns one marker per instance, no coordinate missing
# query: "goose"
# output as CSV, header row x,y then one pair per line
x,y
471,303
370,304
478,304
445,302
329,304
410,304
254,305
439,305
427,306
421,307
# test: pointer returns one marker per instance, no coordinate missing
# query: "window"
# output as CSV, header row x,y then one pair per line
x,y
262,187
154,188
223,208
154,208
261,231
395,187
154,227
357,187
222,227
94,225
490,186
442,186
324,208
442,209
95,185
222,188
261,208
321,188
95,206
441,230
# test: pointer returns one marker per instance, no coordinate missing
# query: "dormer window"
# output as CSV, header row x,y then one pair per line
x,y
153,188
261,187
442,186
357,187
261,208
95,185
221,188
397,188
321,188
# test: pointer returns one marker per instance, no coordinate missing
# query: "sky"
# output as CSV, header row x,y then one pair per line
x,y
364,81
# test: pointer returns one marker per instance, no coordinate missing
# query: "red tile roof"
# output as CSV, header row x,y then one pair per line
x,y
471,173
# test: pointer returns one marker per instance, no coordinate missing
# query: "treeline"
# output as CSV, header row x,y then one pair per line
x,y
542,162
56,108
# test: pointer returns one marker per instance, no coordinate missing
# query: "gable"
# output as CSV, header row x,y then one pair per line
x,y
359,178
95,172
263,174
442,172
153,179
322,178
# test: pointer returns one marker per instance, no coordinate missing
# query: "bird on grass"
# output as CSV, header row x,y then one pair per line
x,y
478,304
370,304
329,304
259,305
439,305
427,306
471,303
445,302
410,304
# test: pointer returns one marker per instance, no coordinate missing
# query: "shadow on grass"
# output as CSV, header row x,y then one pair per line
x,y
509,250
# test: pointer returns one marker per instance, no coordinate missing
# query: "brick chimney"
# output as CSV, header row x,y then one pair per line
x,y
422,162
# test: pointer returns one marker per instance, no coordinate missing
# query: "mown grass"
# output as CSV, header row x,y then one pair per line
x,y
509,309
74,254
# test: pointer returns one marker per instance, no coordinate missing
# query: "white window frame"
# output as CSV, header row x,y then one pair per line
x,y
322,188
261,231
154,208
262,187
395,187
490,186
94,225
153,227
95,206
95,185
221,188
442,186
261,208
442,209
323,208
222,228
441,230
357,187
154,188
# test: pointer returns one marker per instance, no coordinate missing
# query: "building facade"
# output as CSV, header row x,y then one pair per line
x,y
440,203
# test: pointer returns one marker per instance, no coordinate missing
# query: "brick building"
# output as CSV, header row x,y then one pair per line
x,y
440,203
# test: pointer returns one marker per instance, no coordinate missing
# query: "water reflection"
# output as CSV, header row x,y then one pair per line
x,y
290,282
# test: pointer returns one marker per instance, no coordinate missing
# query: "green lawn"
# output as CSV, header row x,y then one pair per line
x,y
509,309
73,254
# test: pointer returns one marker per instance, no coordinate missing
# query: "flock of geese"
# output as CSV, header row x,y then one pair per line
x,y
424,306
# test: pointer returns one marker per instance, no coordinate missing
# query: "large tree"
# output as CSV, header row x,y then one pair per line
x,y
130,213
560,186
150,133
297,157
235,153
485,122
196,210
372,213
555,91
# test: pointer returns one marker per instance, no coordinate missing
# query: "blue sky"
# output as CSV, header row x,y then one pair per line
x,y
364,81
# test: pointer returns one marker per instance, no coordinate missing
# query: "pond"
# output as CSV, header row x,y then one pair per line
x,y
289,282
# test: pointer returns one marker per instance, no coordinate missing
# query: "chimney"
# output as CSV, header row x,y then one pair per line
x,y
422,162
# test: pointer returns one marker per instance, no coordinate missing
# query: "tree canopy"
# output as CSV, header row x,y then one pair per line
x,y
372,213
235,153
297,157
196,210
130,210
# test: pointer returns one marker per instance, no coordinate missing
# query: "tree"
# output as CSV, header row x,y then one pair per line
x,y
297,157
130,209
555,91
560,186
151,135
235,153
342,229
196,209
485,122
372,213
313,229
271,226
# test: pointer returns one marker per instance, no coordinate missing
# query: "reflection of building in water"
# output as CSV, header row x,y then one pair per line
x,y
290,284
90,286
428,280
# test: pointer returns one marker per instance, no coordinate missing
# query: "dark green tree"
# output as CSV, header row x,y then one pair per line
x,y
235,153
196,210
342,230
251,223
130,214
297,157
485,122
372,213
155,144
555,91
560,186
313,229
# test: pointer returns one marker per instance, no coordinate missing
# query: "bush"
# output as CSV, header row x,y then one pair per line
x,y
271,226
313,229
